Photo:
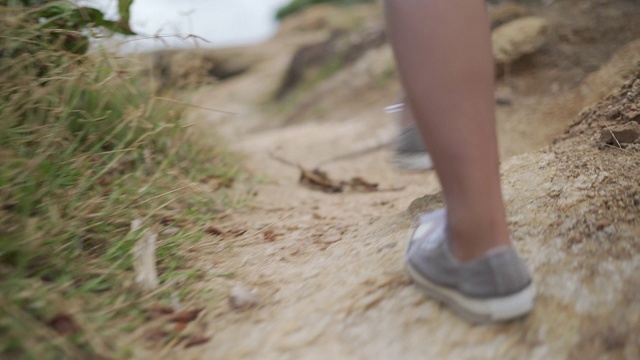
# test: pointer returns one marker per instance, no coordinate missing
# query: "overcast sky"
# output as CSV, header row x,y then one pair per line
x,y
222,22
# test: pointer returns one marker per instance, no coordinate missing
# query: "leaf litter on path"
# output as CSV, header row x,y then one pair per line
x,y
317,179
170,330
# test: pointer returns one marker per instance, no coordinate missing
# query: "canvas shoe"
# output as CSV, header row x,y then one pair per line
x,y
409,152
496,287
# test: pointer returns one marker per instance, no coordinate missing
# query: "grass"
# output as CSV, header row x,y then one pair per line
x,y
83,152
296,6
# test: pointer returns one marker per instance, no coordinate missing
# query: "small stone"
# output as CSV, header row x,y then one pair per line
x,y
609,230
518,38
242,299
620,134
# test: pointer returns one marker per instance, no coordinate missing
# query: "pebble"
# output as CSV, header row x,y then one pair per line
x,y
623,134
240,298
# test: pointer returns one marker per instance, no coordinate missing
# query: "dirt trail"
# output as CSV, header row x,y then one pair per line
x,y
328,268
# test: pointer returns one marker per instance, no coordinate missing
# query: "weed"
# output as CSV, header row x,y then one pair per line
x,y
83,152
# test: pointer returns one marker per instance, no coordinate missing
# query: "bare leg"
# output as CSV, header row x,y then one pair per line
x,y
444,57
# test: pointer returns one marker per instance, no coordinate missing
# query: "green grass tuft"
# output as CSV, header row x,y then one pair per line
x,y
83,152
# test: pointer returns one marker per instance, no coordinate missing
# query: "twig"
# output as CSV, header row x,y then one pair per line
x,y
353,154
346,156
283,160
614,137
619,148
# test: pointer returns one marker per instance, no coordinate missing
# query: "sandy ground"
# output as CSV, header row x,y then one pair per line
x,y
328,268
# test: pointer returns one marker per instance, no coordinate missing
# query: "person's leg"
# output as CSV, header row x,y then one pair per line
x,y
444,57
461,256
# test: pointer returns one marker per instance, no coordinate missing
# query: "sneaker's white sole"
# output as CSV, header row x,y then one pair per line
x,y
478,311
413,162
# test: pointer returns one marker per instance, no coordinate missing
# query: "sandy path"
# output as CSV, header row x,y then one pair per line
x,y
330,274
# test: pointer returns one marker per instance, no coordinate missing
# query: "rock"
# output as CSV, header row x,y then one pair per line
x,y
518,38
620,134
505,12
179,69
611,230
242,299
341,47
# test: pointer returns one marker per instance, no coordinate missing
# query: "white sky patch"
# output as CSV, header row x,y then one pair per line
x,y
221,22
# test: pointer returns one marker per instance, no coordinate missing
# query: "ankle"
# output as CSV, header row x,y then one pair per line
x,y
469,245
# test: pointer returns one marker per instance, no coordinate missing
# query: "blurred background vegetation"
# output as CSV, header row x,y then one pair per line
x,y
296,6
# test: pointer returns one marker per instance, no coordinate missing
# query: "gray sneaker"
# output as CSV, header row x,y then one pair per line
x,y
409,152
493,288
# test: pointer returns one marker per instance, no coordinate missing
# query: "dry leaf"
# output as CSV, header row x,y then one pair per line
x,y
218,183
214,230
167,220
270,235
185,316
237,232
64,324
362,185
179,327
319,180
195,340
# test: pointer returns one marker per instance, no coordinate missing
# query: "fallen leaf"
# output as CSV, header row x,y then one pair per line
x,y
180,326
270,235
362,185
317,179
237,232
214,230
167,220
185,316
64,324
218,183
196,340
